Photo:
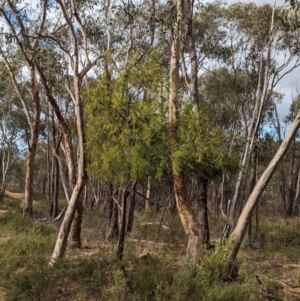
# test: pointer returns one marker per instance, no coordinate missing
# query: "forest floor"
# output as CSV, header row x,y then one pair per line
x,y
2,212
270,270
18,196
15,195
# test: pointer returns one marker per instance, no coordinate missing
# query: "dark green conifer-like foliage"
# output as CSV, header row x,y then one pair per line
x,y
201,151
126,127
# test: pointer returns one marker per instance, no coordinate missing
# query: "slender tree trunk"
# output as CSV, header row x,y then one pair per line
x,y
61,242
292,192
242,223
113,213
252,180
75,233
68,146
76,225
215,199
44,184
222,196
2,192
55,189
123,225
131,209
148,194
35,127
63,179
112,229
51,198
261,97
85,196
54,173
109,212
28,210
297,193
49,174
193,85
203,212
6,163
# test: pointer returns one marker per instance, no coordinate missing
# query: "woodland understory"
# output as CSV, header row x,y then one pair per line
x,y
143,151
154,264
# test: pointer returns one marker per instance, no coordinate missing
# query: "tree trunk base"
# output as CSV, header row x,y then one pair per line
x,y
194,248
75,235
229,272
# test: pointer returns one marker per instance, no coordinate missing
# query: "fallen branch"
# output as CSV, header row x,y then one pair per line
x,y
274,286
151,242
156,223
60,215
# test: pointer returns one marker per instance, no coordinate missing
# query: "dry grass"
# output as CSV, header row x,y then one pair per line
x,y
270,271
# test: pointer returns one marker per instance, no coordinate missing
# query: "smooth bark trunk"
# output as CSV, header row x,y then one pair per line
x,y
62,239
76,224
261,96
56,189
34,127
28,199
242,223
61,242
6,163
193,84
148,194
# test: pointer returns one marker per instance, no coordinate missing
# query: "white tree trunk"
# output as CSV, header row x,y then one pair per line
x,y
148,194
261,97
241,226
62,239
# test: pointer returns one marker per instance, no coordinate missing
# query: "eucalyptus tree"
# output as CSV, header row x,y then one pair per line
x,y
77,44
43,41
239,231
188,219
199,41
15,40
11,130
196,149
260,41
289,169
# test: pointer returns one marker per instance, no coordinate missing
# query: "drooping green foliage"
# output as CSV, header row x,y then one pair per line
x,y
201,151
126,128
291,14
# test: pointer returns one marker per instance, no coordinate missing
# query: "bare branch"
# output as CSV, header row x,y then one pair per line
x,y
16,86
42,24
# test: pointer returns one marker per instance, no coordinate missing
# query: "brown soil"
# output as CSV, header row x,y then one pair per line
x,y
18,196
2,212
15,195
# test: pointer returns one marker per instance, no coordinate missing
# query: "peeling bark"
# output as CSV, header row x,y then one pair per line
x,y
188,220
